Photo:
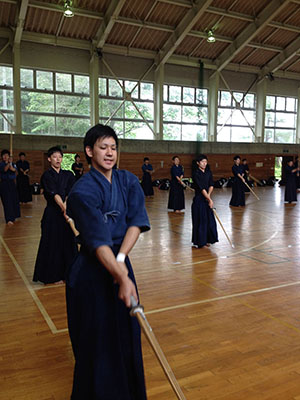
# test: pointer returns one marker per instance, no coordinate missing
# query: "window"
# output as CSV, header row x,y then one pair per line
x,y
54,103
185,113
236,117
280,119
130,119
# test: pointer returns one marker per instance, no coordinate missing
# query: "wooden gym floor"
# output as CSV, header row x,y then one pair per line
x,y
227,319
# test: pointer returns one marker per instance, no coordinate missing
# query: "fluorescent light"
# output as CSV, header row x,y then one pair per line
x,y
210,37
67,9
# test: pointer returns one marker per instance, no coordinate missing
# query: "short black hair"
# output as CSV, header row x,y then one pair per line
x,y
201,157
146,159
54,149
244,159
4,151
96,132
76,156
236,157
173,158
22,154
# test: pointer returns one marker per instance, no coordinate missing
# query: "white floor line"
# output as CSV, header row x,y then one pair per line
x,y
229,296
35,298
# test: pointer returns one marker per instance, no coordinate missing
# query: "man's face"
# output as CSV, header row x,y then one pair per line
x,y
55,159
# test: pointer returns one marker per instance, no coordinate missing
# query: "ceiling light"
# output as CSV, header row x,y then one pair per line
x,y
210,37
67,9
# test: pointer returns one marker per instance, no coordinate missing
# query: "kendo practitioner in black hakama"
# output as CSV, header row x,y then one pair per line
x,y
204,223
290,193
176,194
108,208
23,183
77,167
57,246
147,178
238,186
246,174
8,189
297,165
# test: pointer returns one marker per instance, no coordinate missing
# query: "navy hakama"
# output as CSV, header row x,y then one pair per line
x,y
176,194
204,223
57,247
105,338
147,180
238,187
9,194
78,173
23,184
290,193
246,177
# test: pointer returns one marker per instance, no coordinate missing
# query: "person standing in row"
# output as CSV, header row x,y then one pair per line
x,y
290,193
108,209
246,174
23,183
204,223
8,189
297,165
77,167
176,194
238,186
57,246
147,178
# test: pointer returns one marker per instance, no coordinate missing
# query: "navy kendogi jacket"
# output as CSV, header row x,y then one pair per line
x,y
105,338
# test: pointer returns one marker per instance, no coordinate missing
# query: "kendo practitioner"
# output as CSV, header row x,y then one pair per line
x,y
57,246
246,174
77,167
8,189
238,185
290,193
176,194
204,223
147,179
108,208
23,183
297,165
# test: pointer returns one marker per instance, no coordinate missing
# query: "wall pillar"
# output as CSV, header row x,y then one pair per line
x,y
214,81
158,103
17,89
261,89
94,89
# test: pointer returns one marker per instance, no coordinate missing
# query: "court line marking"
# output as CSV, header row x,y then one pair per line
x,y
51,324
34,296
256,309
225,297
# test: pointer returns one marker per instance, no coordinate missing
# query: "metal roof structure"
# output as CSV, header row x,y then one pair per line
x,y
259,36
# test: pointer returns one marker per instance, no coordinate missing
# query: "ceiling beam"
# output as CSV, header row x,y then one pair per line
x,y
198,34
187,4
262,20
278,61
20,21
183,28
108,22
181,3
145,54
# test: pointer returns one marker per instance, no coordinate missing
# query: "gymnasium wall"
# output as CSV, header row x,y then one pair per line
x,y
261,165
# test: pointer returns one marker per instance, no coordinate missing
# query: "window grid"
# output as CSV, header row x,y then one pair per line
x,y
185,113
115,105
236,116
56,111
280,119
